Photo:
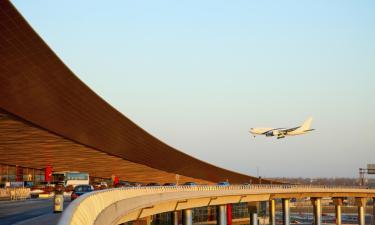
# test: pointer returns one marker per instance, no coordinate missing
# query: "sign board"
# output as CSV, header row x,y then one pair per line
x,y
177,178
14,184
371,168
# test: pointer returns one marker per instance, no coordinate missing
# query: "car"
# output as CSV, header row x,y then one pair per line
x,y
190,184
123,184
223,183
80,190
137,184
152,184
169,184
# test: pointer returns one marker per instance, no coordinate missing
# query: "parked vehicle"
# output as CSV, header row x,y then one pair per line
x,y
73,178
190,184
152,184
223,183
123,184
80,190
169,184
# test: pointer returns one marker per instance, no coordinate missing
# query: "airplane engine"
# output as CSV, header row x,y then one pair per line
x,y
271,133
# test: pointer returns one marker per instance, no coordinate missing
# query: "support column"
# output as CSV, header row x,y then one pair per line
x,y
286,211
317,209
229,214
254,218
221,215
174,218
272,211
187,217
338,203
148,220
156,219
361,203
253,212
209,213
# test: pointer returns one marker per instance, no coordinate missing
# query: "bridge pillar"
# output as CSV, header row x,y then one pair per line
x,y
361,203
286,211
317,207
229,214
156,219
253,212
187,217
174,218
221,214
338,203
272,211
148,220
209,213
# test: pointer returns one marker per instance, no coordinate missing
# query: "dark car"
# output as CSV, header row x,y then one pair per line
x,y
123,184
152,184
190,184
223,183
169,184
80,190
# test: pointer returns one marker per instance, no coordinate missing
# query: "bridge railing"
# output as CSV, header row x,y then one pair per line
x,y
88,207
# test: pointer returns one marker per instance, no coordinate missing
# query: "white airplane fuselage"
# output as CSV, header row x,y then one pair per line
x,y
282,132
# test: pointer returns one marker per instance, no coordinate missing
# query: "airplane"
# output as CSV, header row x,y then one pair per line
x,y
282,132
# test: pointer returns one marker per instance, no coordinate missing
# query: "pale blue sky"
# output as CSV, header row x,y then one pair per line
x,y
199,74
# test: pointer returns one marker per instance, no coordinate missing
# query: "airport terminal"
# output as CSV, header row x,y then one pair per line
x,y
53,123
49,117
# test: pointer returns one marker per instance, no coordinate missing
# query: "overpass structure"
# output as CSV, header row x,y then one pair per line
x,y
117,206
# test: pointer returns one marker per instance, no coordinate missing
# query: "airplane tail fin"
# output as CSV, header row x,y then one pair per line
x,y
306,125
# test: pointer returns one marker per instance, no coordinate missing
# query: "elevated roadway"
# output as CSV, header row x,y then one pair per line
x,y
116,206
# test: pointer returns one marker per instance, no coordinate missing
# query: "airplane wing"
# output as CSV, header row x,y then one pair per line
x,y
267,131
285,131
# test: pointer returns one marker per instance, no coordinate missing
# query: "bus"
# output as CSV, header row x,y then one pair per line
x,y
73,178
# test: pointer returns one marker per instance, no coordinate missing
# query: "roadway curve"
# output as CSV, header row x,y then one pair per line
x,y
115,206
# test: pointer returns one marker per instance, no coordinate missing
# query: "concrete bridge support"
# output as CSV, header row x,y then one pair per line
x,y
221,215
187,217
317,209
361,203
338,203
286,211
253,212
229,214
272,211
149,220
174,218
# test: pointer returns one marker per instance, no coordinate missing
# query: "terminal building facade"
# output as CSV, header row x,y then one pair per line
x,y
48,117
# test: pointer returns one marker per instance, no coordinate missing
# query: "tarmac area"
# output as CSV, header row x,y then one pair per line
x,y
30,212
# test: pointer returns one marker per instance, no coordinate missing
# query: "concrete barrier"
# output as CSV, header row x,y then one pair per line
x,y
115,206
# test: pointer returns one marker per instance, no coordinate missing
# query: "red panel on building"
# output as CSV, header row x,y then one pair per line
x,y
116,180
48,174
19,173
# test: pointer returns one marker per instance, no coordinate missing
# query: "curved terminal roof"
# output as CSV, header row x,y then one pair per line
x,y
36,86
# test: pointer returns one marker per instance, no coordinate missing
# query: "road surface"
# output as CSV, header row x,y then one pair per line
x,y
30,212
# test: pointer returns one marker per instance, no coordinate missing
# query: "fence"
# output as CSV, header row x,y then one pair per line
x,y
15,193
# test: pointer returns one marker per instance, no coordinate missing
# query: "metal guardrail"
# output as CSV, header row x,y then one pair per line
x,y
88,207
19,193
